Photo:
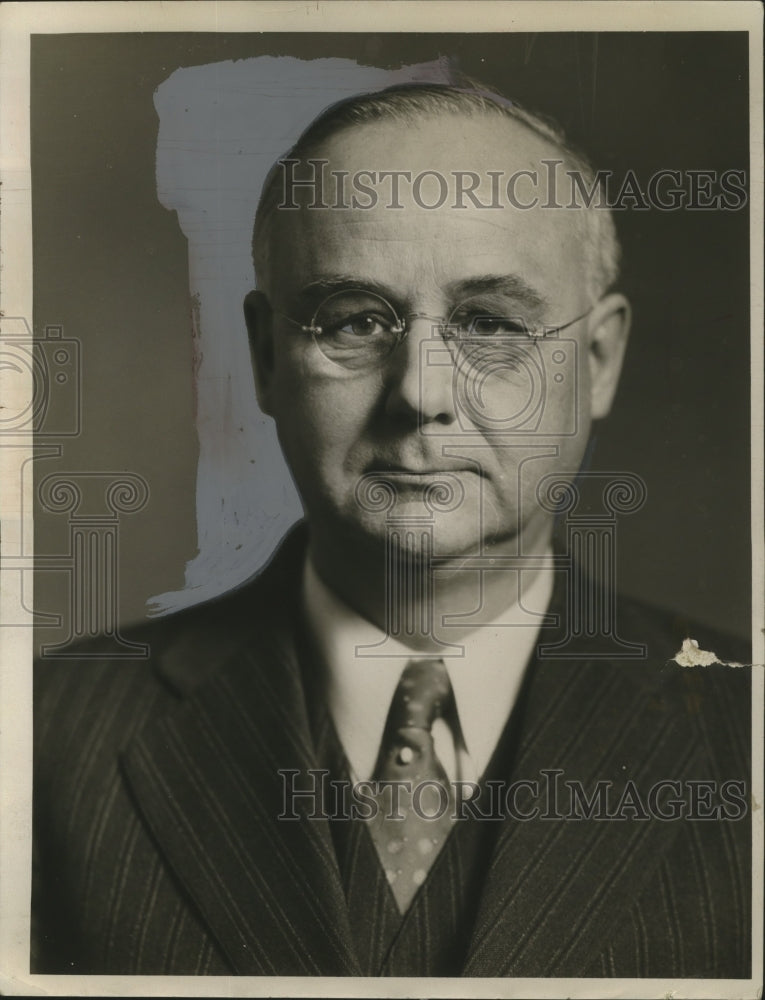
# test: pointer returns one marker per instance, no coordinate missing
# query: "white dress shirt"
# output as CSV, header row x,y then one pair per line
x,y
485,678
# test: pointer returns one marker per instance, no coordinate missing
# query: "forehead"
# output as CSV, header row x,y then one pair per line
x,y
407,234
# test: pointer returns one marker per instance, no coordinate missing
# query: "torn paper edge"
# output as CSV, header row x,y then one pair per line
x,y
691,655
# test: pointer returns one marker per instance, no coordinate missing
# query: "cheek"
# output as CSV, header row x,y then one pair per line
x,y
320,420
521,461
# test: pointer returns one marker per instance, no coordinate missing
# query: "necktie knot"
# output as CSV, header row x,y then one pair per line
x,y
423,695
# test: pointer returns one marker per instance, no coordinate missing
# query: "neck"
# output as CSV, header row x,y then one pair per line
x,y
403,595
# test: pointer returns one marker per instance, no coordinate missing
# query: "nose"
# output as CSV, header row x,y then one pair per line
x,y
421,380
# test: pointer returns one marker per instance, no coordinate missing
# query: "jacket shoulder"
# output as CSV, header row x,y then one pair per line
x,y
183,648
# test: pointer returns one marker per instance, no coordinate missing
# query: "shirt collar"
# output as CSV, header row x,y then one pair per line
x,y
485,677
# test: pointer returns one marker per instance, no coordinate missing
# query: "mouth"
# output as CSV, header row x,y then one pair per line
x,y
417,472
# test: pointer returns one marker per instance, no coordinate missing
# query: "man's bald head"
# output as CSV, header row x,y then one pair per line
x,y
408,104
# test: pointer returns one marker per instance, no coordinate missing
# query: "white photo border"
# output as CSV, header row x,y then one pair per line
x,y
18,22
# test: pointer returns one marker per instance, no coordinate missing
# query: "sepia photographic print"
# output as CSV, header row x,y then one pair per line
x,y
381,606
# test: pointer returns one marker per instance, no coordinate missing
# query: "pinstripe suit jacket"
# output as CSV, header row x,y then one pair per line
x,y
158,849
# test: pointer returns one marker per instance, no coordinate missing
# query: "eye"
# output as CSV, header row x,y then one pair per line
x,y
353,317
493,326
362,325
484,320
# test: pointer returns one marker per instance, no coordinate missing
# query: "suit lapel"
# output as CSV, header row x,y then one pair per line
x,y
556,887
207,780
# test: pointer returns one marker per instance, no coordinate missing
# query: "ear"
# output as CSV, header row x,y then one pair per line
x,y
258,317
608,330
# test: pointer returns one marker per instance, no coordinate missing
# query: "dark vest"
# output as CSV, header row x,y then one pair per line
x,y
432,937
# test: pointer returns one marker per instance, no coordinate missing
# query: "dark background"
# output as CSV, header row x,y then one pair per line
x,y
110,266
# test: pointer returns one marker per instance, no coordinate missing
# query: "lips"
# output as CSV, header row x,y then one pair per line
x,y
417,469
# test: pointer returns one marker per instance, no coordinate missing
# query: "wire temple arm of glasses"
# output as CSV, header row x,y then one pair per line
x,y
316,330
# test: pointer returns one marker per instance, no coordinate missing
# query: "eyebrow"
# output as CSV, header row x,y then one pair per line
x,y
322,287
511,285
504,284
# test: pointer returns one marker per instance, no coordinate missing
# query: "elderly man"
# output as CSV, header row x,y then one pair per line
x,y
395,752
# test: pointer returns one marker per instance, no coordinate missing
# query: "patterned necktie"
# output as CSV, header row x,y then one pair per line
x,y
412,822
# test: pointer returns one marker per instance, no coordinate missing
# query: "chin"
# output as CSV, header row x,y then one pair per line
x,y
416,532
